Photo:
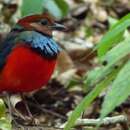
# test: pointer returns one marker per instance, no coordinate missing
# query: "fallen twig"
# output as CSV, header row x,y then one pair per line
x,y
105,121
35,128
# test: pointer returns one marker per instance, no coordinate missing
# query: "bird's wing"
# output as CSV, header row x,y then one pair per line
x,y
44,44
6,47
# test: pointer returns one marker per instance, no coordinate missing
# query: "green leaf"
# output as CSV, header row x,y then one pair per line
x,y
31,7
58,8
112,57
5,124
88,100
126,17
90,77
112,21
2,109
119,92
115,33
118,52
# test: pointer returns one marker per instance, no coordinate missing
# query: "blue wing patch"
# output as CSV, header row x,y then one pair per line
x,y
43,44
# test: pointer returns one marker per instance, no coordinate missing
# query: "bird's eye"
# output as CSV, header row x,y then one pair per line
x,y
44,22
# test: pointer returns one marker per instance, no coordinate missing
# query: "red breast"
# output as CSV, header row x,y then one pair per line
x,y
25,70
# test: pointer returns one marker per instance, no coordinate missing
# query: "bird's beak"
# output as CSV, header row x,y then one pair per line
x,y
59,27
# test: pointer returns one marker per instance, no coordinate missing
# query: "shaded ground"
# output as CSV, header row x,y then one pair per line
x,y
51,105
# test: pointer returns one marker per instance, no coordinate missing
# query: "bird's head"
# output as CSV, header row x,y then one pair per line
x,y
40,23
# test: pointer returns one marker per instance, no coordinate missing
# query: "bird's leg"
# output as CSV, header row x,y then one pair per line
x,y
12,109
26,106
33,120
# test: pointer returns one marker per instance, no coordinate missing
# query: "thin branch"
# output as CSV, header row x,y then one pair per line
x,y
35,128
105,121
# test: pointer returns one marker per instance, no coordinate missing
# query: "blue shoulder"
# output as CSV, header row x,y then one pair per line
x,y
44,44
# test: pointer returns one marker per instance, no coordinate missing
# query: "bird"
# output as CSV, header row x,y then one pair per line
x,y
28,54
